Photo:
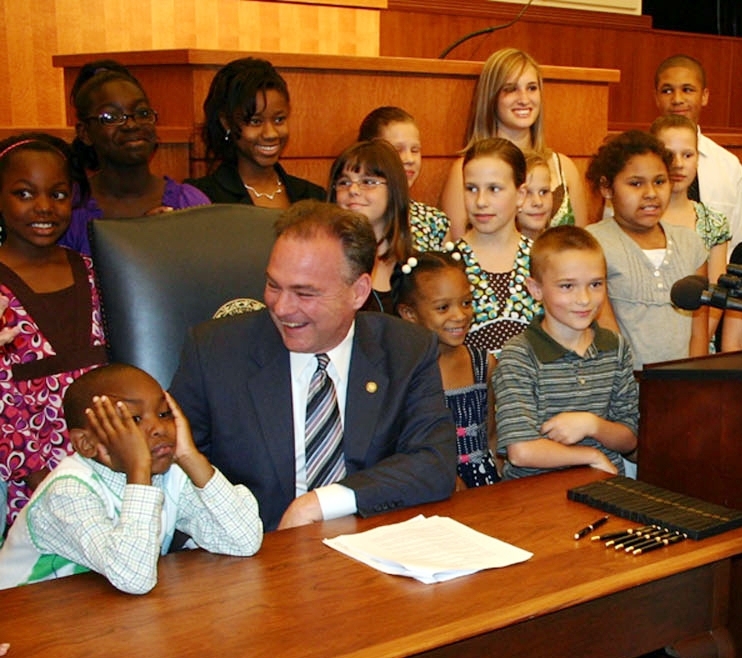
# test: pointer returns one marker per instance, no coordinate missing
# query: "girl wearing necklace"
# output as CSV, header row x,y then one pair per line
x,y
246,128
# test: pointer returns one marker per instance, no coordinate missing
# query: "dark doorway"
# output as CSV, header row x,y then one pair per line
x,y
722,17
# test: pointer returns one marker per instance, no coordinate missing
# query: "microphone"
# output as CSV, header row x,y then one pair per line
x,y
736,257
692,292
486,30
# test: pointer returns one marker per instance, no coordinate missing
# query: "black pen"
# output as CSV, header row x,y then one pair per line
x,y
610,535
638,538
628,534
661,544
593,526
664,534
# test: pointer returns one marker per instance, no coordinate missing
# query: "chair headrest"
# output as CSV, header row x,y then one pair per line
x,y
161,274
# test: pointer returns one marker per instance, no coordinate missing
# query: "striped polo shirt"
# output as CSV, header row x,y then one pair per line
x,y
536,378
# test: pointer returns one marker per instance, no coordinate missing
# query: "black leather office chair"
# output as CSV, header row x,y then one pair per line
x,y
160,275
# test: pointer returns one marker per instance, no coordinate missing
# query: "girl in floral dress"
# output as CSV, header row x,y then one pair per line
x,y
680,136
497,256
51,324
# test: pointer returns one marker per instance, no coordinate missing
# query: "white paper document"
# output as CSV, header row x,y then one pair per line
x,y
429,549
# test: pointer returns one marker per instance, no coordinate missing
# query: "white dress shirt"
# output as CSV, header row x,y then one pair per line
x,y
334,499
720,184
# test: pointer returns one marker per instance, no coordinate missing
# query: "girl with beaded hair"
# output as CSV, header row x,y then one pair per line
x,y
245,131
508,103
432,289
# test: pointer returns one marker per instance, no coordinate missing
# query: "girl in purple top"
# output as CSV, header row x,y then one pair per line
x,y
116,138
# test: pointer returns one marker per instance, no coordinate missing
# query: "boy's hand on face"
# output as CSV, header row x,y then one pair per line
x,y
570,427
120,443
187,456
184,445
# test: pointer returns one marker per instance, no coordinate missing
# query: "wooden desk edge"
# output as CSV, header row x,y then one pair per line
x,y
289,61
713,555
482,624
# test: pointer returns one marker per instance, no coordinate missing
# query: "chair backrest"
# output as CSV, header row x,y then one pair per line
x,y
160,275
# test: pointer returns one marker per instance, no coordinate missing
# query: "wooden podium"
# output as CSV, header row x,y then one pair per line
x,y
690,429
330,95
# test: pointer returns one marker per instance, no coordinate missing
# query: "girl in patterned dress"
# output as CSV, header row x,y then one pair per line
x,y
428,225
680,136
432,290
51,324
497,256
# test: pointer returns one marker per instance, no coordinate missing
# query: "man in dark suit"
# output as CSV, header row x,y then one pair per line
x,y
243,382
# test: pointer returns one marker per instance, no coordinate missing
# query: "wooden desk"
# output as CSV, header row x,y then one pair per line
x,y
298,597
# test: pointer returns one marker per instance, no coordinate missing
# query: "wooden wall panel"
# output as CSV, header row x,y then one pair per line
x,y
31,89
436,93
32,31
31,34
621,6
424,28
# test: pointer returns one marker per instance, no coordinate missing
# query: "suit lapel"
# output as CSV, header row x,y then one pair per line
x,y
367,385
269,386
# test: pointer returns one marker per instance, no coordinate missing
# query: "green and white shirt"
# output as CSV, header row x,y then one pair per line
x,y
84,516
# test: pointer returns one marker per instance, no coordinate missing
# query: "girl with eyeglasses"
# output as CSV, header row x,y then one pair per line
x,y
246,129
116,139
369,177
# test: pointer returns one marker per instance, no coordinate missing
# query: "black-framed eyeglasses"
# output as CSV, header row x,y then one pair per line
x,y
364,183
142,116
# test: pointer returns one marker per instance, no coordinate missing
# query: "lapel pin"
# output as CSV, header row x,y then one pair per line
x,y
372,387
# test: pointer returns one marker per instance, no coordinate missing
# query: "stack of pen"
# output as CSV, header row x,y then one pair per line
x,y
639,541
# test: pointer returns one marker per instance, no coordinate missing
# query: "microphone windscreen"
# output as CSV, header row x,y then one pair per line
x,y
686,293
736,257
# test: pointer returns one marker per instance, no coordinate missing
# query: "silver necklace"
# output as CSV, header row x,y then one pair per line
x,y
267,195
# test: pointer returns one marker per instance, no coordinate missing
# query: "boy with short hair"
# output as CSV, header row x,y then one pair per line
x,y
136,477
565,388
680,88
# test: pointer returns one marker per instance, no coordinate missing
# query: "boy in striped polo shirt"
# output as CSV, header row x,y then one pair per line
x,y
565,388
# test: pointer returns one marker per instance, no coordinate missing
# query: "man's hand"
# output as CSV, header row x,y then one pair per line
x,y
302,511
